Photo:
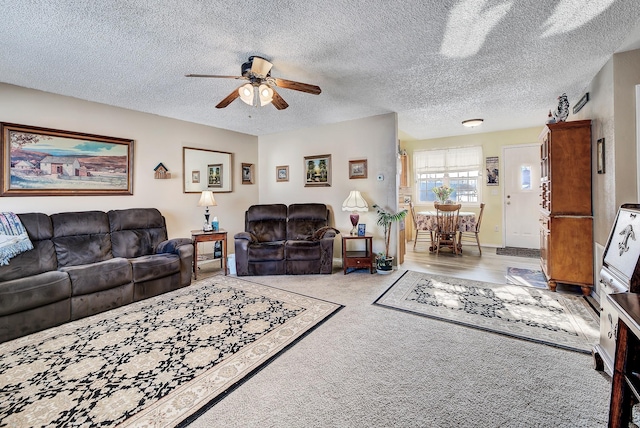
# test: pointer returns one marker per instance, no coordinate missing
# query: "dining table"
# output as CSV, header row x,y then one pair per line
x,y
427,220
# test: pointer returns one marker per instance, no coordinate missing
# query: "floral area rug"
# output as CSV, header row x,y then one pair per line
x,y
157,362
561,320
526,277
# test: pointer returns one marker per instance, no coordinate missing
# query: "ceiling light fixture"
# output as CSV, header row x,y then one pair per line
x,y
246,93
472,122
255,95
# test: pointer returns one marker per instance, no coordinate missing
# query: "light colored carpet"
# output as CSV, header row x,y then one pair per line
x,y
154,362
554,319
526,277
368,366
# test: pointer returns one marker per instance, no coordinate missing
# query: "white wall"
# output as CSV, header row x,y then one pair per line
x,y
157,139
373,138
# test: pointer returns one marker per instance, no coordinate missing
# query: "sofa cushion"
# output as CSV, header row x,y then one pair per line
x,y
146,268
302,250
81,237
305,219
267,222
43,256
136,232
266,251
98,276
34,291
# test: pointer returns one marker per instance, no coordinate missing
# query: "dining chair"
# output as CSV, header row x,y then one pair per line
x,y
419,234
473,236
447,228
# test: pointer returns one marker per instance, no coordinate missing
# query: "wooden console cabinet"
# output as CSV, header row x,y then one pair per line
x,y
566,221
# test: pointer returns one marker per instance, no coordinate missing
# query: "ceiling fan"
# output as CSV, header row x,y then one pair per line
x,y
260,89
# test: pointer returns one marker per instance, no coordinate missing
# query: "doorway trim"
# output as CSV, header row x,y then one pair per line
x,y
504,187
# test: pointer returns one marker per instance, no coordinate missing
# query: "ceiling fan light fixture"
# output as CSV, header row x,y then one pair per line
x,y
246,93
266,94
470,123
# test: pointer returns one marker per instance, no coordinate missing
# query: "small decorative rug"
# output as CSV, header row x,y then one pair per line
x,y
526,277
555,319
158,362
518,252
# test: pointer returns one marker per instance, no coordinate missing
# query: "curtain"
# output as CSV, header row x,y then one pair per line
x,y
442,160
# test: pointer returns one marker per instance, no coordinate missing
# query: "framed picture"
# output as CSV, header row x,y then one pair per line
x,y
492,166
215,175
362,229
358,168
317,171
247,173
51,162
600,155
196,162
282,173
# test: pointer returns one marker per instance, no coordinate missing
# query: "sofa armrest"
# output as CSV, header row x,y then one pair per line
x,y
248,236
172,245
183,248
326,232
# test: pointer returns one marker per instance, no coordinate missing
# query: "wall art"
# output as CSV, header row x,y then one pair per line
x,y
317,171
50,162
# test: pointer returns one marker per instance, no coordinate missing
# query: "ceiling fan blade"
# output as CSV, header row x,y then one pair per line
x,y
278,102
216,76
229,99
260,67
297,86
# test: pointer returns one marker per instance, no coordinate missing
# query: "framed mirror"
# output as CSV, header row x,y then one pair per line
x,y
204,169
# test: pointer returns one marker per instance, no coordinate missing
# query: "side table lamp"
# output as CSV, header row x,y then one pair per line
x,y
355,203
207,200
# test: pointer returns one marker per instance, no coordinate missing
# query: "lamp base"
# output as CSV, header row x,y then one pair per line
x,y
354,222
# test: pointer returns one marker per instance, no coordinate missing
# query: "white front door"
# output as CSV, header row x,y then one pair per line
x,y
522,196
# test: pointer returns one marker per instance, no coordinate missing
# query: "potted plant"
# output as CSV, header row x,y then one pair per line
x,y
443,192
384,263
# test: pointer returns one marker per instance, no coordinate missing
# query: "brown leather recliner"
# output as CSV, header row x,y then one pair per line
x,y
293,240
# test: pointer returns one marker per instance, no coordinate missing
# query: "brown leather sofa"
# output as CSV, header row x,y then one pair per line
x,y
88,262
291,240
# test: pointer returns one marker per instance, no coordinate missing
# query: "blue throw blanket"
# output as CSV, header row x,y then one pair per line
x,y
13,237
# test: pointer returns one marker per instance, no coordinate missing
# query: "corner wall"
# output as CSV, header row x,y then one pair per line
x,y
157,139
373,138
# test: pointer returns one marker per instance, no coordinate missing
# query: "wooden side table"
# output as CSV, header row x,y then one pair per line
x,y
202,236
361,259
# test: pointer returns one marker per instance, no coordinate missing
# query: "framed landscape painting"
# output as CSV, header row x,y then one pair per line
x,y
50,162
317,171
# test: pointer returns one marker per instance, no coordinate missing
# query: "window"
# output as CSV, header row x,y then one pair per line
x,y
459,168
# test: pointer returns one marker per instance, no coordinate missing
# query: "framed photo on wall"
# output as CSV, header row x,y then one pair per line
x,y
195,176
50,162
247,173
282,173
317,171
492,167
358,168
600,155
215,175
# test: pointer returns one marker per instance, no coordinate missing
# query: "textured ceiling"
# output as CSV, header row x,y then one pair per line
x,y
434,62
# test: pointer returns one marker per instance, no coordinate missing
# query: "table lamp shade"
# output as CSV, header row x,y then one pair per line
x,y
207,200
355,203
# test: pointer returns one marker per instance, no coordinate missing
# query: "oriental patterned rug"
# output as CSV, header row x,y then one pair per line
x,y
158,362
560,320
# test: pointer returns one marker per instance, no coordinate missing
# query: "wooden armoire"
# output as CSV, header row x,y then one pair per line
x,y
566,214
